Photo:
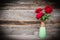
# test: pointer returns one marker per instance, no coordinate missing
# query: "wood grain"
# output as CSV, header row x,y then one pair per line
x,y
19,23
28,31
25,15
7,22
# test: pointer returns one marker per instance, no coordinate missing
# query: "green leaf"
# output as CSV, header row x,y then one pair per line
x,y
43,18
46,16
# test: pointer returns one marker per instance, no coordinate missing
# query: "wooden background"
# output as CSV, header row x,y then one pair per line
x,y
18,22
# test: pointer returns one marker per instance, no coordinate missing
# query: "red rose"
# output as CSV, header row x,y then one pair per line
x,y
48,9
38,10
39,15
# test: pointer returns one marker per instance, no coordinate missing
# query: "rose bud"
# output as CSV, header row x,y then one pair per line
x,y
48,9
39,15
38,10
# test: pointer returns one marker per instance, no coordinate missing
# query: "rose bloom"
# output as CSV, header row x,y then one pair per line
x,y
48,9
38,10
39,15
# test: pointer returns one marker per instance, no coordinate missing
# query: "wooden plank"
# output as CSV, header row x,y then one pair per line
x,y
19,7
27,31
17,2
7,22
10,21
25,15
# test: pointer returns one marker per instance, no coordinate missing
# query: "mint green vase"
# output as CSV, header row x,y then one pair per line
x,y
42,32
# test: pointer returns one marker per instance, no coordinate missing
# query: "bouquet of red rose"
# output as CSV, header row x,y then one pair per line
x,y
43,14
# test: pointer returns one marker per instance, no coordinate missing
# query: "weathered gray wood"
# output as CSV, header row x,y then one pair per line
x,y
7,22
28,31
24,15
10,2
20,7
17,15
15,4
